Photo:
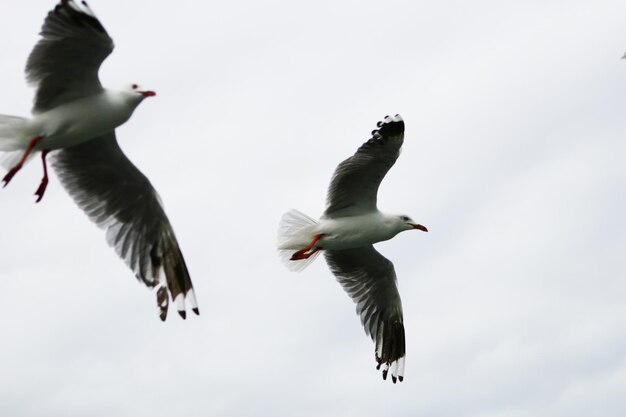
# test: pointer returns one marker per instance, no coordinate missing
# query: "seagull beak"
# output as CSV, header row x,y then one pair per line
x,y
148,93
419,227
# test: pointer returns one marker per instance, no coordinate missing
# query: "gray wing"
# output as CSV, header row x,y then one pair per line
x,y
64,64
119,198
354,186
370,280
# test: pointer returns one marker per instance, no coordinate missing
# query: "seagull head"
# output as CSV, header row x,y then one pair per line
x,y
406,223
138,91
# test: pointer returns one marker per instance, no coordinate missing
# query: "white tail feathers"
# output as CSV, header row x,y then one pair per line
x,y
292,227
11,133
295,231
12,143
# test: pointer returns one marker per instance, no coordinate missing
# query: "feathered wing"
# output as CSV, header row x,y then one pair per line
x,y
119,198
370,280
64,64
354,185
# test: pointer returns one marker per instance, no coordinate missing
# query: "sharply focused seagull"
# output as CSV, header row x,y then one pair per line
x,y
76,117
346,232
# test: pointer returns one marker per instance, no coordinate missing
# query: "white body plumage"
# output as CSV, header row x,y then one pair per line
x,y
347,232
78,121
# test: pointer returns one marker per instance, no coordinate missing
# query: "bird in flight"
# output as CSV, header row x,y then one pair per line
x,y
75,118
346,233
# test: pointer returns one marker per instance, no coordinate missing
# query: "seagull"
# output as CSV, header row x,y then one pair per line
x,y
346,233
75,118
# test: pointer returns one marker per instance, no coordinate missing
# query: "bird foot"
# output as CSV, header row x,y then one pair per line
x,y
9,176
303,253
31,144
42,189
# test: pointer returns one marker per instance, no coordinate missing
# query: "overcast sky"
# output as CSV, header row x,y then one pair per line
x,y
514,158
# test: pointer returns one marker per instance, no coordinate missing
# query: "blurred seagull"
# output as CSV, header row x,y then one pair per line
x,y
76,117
346,232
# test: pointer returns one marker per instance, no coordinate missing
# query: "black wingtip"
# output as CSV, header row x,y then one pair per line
x,y
79,16
385,374
183,314
400,378
391,126
163,315
393,379
196,310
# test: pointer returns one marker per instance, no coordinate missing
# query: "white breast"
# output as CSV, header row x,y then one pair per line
x,y
355,231
81,120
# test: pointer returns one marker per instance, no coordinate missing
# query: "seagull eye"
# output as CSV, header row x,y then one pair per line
x,y
135,86
405,218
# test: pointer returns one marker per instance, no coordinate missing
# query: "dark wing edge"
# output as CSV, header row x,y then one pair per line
x,y
64,63
357,178
370,280
120,199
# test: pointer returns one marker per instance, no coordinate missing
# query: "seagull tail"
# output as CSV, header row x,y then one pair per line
x,y
295,231
12,143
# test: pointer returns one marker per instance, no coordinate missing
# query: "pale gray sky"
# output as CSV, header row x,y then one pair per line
x,y
515,302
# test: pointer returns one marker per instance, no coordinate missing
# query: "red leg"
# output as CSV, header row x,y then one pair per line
x,y
44,181
7,178
301,254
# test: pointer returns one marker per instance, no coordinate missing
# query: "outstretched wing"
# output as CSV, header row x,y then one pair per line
x,y
370,280
120,199
64,64
354,186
